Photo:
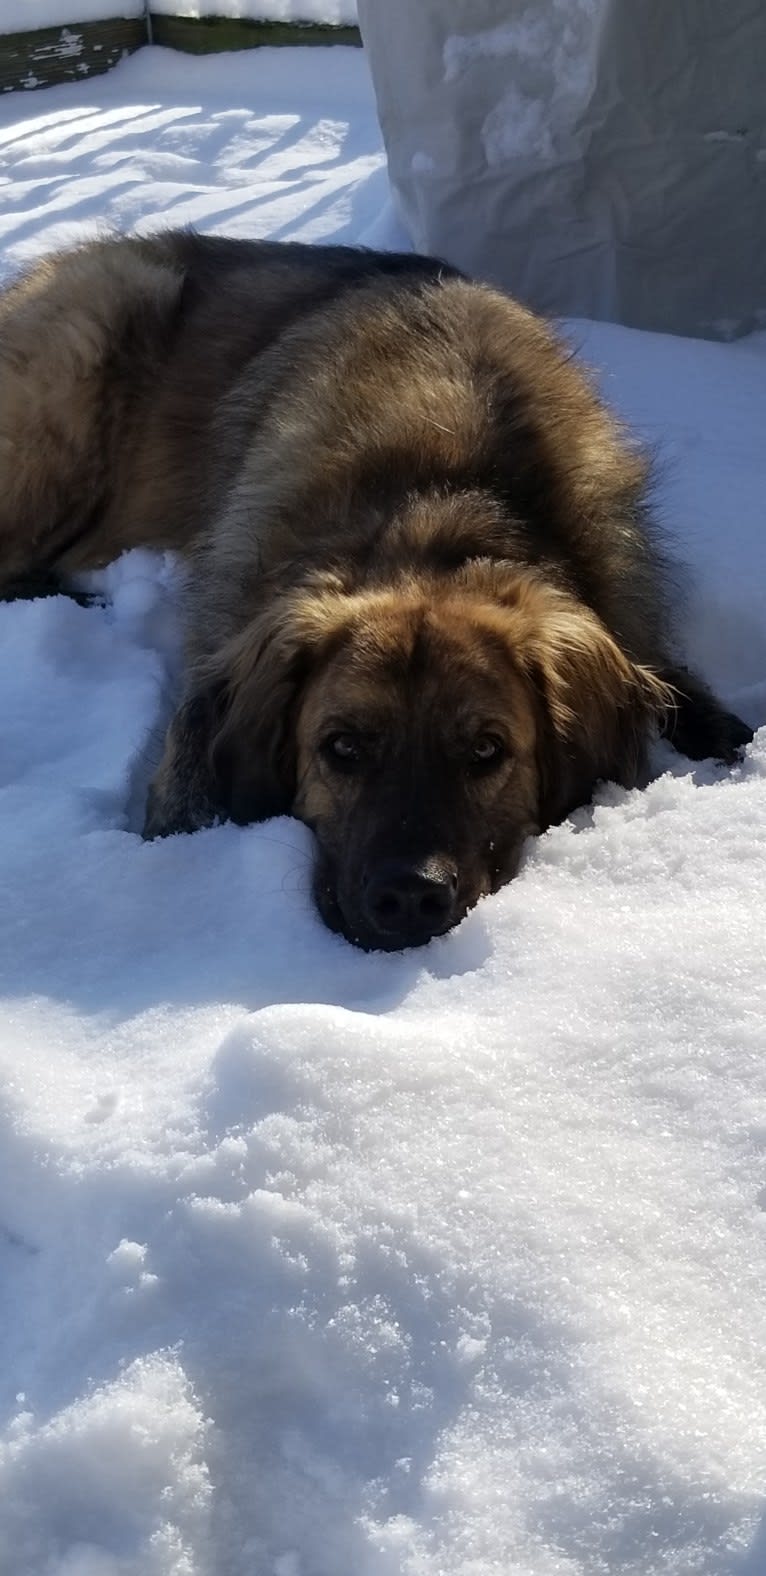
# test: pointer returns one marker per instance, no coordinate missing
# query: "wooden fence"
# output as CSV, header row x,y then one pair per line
x,y
82,49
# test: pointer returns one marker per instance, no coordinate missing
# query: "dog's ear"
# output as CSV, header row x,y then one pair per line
x,y
257,678
597,710
228,751
185,794
252,752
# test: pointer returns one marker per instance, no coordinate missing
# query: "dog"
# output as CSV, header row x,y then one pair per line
x,y
427,607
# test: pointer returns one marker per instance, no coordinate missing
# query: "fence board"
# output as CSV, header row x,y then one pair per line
x,y
203,35
63,54
40,58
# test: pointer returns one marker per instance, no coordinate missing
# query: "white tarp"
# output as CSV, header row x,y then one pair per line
x,y
599,158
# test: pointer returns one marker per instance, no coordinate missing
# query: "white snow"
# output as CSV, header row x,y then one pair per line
x,y
553,50
560,36
519,125
18,16
315,1263
334,11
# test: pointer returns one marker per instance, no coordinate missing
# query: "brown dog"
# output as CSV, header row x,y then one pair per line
x,y
426,611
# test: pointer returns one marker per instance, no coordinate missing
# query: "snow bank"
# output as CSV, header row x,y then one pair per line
x,y
315,1263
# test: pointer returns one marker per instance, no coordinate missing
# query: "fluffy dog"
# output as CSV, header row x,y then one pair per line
x,y
426,609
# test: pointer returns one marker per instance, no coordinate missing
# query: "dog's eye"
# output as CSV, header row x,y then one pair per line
x,y
343,751
486,751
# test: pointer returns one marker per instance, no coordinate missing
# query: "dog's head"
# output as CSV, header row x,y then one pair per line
x,y
424,731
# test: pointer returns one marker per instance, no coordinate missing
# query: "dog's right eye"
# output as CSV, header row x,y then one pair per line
x,y
344,751
487,752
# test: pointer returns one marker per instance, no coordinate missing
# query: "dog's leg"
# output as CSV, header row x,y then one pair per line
x,y
184,792
700,726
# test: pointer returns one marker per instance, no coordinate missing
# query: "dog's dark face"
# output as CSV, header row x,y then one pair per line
x,y
423,733
416,768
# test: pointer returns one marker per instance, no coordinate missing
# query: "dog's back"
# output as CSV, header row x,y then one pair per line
x,y
114,358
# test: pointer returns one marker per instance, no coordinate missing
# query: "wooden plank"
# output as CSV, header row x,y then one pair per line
x,y
48,55
206,34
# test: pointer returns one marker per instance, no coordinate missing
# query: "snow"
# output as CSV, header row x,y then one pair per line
x,y
30,14
284,144
339,12
533,36
314,1263
553,66
52,13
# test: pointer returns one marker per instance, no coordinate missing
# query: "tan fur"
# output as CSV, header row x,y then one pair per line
x,y
408,518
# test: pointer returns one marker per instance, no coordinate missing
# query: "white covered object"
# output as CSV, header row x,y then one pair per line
x,y
595,157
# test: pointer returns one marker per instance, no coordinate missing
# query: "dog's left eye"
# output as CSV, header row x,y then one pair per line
x,y
343,750
486,751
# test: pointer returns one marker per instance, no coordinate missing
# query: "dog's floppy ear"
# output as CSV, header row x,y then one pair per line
x,y
257,678
184,794
598,710
227,752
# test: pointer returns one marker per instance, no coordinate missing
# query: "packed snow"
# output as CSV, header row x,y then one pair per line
x,y
317,1263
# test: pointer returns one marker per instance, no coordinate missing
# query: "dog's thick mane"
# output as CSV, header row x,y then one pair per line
x,y
441,422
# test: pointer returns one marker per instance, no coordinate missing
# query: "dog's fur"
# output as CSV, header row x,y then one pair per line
x,y
426,610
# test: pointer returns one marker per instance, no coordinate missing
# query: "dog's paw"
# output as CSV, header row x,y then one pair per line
x,y
705,731
157,823
182,811
699,727
731,737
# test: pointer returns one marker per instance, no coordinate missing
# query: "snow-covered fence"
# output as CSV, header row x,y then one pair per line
x,y
69,39
44,55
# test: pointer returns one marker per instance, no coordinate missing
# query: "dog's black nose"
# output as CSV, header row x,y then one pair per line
x,y
406,904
